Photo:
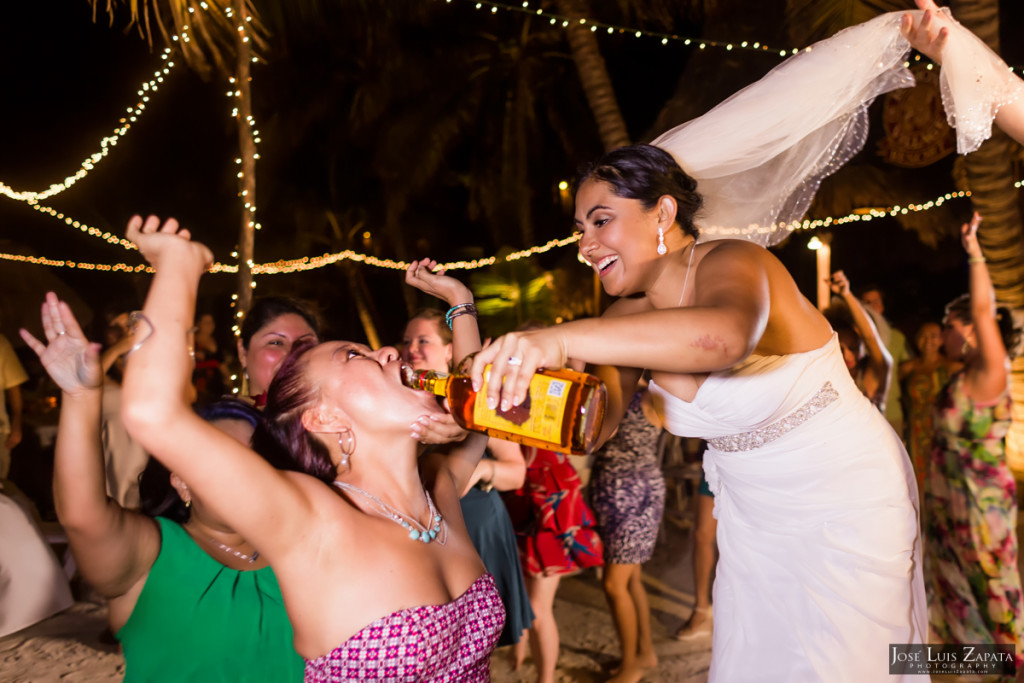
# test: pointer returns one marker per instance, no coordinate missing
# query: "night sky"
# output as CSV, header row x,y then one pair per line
x,y
67,81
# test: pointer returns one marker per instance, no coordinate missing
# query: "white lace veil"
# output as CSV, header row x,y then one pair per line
x,y
759,156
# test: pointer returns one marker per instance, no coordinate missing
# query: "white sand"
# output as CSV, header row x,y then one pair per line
x,y
66,648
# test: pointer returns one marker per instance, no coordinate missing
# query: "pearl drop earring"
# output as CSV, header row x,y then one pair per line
x,y
662,249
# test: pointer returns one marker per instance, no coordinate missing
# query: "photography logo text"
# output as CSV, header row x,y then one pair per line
x,y
955,660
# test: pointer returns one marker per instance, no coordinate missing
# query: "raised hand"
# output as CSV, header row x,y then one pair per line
x,y
928,33
514,358
156,241
969,237
839,283
425,276
69,358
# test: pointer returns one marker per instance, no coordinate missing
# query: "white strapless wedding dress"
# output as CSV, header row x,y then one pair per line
x,y
816,501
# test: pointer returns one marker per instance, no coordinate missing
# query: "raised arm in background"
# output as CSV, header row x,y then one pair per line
x,y
113,547
986,377
463,460
875,382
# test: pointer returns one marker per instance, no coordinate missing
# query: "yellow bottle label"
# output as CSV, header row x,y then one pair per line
x,y
546,403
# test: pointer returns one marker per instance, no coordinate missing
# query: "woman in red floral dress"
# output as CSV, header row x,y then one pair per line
x,y
557,536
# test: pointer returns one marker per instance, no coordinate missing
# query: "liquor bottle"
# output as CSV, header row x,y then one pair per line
x,y
563,410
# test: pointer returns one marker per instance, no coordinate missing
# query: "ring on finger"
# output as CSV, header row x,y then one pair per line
x,y
514,361
61,332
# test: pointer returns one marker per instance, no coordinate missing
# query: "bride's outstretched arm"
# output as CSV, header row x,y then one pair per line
x,y
930,34
721,328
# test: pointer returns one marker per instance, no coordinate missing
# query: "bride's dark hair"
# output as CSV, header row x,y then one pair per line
x,y
647,173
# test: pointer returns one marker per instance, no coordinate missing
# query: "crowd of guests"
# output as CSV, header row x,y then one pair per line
x,y
224,551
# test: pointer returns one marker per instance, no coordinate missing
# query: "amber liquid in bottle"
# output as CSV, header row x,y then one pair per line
x,y
564,411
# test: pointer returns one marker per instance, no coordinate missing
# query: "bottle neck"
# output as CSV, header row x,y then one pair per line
x,y
427,380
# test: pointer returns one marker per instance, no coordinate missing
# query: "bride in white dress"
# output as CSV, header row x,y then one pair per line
x,y
820,566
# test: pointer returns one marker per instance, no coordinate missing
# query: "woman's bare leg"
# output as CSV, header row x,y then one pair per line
x,y
631,614
544,641
703,564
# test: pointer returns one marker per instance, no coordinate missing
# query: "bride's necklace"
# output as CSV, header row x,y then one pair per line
x,y
438,530
686,278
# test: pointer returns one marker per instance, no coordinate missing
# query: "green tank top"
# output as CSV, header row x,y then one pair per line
x,y
197,620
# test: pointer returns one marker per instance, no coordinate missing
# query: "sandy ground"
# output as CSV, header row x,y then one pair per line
x,y
66,648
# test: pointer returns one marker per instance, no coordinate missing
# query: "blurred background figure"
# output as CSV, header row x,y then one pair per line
x,y
209,377
123,457
970,495
627,492
705,529
863,352
895,342
12,376
923,377
271,328
33,585
557,537
427,345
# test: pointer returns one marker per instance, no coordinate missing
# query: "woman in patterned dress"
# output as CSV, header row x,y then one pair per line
x,y
974,586
924,377
378,574
557,537
627,492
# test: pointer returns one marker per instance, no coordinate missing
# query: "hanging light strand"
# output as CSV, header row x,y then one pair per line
x,y
665,38
146,90
307,263
600,26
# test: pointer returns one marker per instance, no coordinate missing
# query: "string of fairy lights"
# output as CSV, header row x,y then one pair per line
x,y
309,263
596,26
147,89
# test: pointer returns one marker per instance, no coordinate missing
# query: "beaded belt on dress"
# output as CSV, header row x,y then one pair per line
x,y
759,437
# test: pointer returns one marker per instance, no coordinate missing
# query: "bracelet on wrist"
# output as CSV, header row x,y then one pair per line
x,y
976,259
457,310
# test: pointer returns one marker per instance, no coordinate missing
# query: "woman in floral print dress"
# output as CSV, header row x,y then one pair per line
x,y
924,377
974,586
557,537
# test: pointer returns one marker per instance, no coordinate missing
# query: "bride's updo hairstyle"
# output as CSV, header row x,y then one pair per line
x,y
647,173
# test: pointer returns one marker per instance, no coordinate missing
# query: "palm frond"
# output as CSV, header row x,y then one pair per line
x,y
203,32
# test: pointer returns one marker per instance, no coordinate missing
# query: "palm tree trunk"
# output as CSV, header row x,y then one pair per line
x,y
247,152
990,177
356,283
594,75
597,86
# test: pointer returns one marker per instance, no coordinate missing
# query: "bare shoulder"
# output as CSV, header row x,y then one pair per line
x,y
732,268
734,253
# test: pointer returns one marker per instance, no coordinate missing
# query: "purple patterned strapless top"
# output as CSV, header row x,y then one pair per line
x,y
450,642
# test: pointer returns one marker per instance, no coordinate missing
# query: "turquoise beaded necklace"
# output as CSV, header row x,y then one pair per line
x,y
437,531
